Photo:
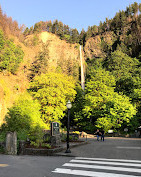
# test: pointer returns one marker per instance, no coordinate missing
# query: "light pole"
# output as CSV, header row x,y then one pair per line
x,y
69,105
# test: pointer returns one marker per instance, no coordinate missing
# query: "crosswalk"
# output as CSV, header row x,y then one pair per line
x,y
101,167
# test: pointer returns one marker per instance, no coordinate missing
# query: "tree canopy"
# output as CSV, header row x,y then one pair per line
x,y
10,55
103,105
53,90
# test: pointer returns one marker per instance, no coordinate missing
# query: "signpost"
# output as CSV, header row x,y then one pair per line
x,y
55,130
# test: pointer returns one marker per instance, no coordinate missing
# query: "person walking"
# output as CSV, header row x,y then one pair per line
x,y
102,135
97,134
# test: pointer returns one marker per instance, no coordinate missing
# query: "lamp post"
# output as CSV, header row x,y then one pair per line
x,y
69,105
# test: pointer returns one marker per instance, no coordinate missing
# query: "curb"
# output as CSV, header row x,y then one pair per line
x,y
69,154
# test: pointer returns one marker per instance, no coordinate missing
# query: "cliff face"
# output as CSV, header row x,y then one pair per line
x,y
59,53
94,46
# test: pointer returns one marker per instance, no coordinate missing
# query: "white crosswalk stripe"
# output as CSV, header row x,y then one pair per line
x,y
100,167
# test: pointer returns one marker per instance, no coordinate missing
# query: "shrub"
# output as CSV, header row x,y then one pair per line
x,y
24,116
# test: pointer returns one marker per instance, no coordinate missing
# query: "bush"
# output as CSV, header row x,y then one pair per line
x,y
2,150
24,117
2,136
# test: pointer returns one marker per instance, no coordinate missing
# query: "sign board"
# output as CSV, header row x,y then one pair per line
x,y
110,131
55,130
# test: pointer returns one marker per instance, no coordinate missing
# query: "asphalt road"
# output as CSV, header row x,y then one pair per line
x,y
81,163
118,148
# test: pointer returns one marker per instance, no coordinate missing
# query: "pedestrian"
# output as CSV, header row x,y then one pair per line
x,y
97,134
102,134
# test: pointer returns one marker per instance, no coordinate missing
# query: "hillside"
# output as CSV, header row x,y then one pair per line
x,y
59,53
45,61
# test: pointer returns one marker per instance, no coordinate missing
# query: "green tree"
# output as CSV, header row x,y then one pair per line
x,y
26,31
40,65
103,106
100,28
94,30
140,7
66,30
128,11
24,115
53,90
88,33
60,31
82,37
120,64
74,36
37,27
55,27
49,26
1,40
135,8
10,57
76,111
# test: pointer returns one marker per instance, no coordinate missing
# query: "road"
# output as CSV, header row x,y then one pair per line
x,y
111,158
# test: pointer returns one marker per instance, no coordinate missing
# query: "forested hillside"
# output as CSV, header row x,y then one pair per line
x,y
40,66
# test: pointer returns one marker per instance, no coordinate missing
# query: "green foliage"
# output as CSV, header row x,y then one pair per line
x,y
39,144
35,40
35,144
1,40
64,138
24,115
40,65
53,90
2,150
2,136
22,134
10,56
58,28
104,106
67,37
120,64
127,73
36,138
76,115
74,36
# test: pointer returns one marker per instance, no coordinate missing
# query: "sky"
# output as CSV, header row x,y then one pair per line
x,y
74,13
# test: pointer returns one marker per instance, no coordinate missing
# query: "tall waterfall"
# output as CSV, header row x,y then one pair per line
x,y
82,71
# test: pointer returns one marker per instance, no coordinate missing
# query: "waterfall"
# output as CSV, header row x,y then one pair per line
x,y
82,71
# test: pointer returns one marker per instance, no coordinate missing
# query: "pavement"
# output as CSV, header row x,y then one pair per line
x,y
82,141
116,148
88,140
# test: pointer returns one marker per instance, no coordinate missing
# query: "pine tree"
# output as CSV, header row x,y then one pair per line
x,y
88,33
49,26
135,8
82,37
60,30
100,27
75,36
55,27
66,30
140,7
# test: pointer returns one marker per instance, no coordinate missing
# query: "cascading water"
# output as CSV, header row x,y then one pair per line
x,y
82,71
